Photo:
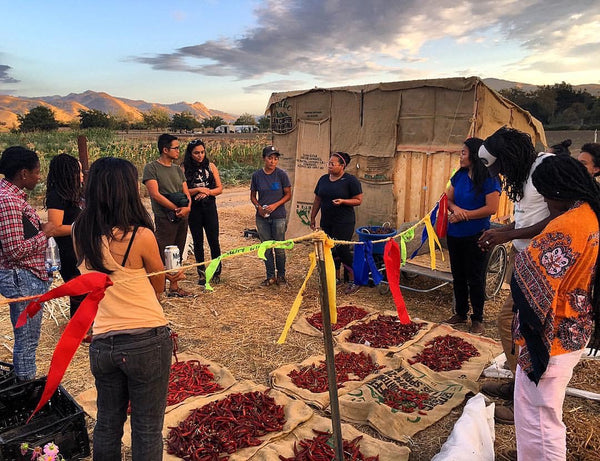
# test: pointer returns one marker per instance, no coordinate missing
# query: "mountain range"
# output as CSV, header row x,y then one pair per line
x,y
66,108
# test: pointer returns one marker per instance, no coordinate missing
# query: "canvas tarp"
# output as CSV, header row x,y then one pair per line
x,y
378,124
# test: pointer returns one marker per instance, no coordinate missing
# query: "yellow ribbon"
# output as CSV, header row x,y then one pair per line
x,y
330,276
432,239
296,306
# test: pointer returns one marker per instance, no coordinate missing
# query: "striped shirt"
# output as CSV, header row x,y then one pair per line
x,y
15,251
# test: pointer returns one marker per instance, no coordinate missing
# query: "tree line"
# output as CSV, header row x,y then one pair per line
x,y
42,118
559,106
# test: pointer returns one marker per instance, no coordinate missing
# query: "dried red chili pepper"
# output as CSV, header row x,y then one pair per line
x,y
188,379
405,400
349,366
320,448
445,353
383,332
224,426
345,315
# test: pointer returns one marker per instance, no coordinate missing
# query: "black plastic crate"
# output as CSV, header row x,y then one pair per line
x,y
7,375
60,421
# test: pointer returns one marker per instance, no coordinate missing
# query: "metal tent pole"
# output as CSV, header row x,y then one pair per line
x,y
329,354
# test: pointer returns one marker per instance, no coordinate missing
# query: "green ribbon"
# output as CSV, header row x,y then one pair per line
x,y
406,236
260,248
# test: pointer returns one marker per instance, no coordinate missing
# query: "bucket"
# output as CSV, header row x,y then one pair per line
x,y
371,233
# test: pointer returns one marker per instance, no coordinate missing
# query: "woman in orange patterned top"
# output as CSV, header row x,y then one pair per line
x,y
556,290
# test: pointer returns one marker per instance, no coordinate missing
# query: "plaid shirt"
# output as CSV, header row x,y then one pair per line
x,y
16,252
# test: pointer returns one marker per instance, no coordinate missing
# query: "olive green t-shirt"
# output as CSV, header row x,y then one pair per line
x,y
170,180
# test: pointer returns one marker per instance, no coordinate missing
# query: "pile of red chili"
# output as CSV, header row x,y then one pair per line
x,y
349,366
383,332
188,379
320,448
405,400
345,315
224,426
445,353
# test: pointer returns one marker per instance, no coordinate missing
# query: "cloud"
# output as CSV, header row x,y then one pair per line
x,y
277,85
4,77
338,40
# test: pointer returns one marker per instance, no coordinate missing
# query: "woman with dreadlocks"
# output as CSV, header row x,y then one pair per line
x,y
63,201
556,291
511,153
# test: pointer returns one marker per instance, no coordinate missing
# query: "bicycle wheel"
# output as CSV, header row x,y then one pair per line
x,y
495,270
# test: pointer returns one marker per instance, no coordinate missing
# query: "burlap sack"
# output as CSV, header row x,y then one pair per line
x,y
471,369
301,325
280,379
87,399
296,412
369,446
365,404
342,338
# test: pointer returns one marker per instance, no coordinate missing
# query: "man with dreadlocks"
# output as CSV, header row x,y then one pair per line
x,y
511,153
556,291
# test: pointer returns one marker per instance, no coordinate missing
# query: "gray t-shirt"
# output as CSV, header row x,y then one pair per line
x,y
170,180
270,189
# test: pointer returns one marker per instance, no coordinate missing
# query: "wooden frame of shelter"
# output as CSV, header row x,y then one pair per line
x,y
404,139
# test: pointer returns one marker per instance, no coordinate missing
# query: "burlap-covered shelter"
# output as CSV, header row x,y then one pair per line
x,y
404,139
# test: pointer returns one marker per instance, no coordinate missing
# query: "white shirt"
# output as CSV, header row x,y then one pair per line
x,y
532,208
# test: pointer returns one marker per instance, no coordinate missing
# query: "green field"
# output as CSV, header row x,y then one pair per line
x,y
236,156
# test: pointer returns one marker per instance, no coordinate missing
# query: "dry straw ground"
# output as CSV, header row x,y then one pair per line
x,y
237,325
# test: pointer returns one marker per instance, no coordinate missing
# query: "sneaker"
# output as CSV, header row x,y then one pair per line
x,y
268,282
505,414
503,390
455,319
351,288
476,327
216,279
202,282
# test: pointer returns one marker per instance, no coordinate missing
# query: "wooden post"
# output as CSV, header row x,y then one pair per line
x,y
334,405
83,155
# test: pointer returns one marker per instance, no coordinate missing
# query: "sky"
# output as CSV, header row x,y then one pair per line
x,y
232,55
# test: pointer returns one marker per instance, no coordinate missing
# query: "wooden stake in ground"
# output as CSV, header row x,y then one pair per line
x,y
329,355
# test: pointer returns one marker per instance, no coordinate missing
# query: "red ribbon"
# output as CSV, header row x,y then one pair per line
x,y
441,224
392,261
94,284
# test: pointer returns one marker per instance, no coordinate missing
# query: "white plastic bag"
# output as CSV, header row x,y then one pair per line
x,y
473,434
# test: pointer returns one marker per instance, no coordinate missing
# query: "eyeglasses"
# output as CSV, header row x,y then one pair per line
x,y
174,148
193,142
333,164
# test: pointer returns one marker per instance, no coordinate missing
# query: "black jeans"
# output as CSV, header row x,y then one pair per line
x,y
204,219
131,368
467,262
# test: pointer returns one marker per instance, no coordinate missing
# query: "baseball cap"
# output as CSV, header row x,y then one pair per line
x,y
270,150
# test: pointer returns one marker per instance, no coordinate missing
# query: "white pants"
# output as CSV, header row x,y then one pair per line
x,y
541,433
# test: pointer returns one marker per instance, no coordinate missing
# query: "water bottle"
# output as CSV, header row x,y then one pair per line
x,y
52,256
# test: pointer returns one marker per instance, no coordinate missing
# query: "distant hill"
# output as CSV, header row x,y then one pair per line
x,y
66,108
498,84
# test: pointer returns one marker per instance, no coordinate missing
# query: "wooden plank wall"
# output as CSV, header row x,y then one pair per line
x,y
420,178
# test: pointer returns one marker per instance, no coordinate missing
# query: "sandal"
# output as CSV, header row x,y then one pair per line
x,y
179,293
268,282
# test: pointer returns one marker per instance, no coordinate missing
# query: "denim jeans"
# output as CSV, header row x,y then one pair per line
x,y
131,368
15,283
272,229
204,219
